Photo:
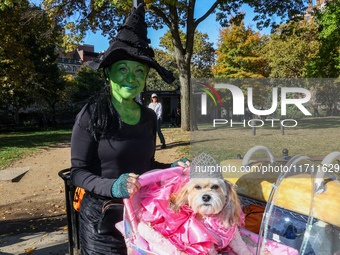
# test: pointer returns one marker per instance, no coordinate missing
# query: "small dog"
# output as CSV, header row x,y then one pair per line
x,y
213,196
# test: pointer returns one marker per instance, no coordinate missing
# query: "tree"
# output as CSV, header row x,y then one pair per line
x,y
48,83
203,55
328,94
16,69
174,14
237,53
168,61
28,67
201,63
290,48
238,57
327,63
87,83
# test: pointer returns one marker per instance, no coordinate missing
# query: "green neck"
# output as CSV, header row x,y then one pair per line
x,y
128,109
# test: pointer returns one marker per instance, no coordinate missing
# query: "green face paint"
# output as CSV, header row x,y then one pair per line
x,y
127,79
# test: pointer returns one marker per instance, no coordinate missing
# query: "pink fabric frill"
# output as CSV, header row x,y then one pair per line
x,y
183,229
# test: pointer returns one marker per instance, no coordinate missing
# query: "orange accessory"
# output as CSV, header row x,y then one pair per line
x,y
253,217
78,196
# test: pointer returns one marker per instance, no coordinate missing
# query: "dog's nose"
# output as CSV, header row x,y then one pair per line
x,y
206,198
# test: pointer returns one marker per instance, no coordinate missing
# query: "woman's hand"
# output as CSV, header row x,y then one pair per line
x,y
184,162
133,184
125,186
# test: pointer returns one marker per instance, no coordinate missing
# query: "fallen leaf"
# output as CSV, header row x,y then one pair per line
x,y
29,250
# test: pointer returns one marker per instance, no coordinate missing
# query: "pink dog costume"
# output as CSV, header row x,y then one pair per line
x,y
182,229
150,205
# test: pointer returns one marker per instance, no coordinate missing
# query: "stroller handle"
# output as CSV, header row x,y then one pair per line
x,y
158,175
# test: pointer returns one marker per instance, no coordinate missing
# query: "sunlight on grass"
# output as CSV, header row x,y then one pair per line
x,y
15,145
312,136
180,139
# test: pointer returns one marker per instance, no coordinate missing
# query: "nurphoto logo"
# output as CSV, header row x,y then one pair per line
x,y
301,96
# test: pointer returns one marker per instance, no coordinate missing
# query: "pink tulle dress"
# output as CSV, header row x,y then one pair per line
x,y
183,229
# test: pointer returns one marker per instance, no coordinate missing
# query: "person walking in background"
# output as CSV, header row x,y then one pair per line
x,y
157,107
316,110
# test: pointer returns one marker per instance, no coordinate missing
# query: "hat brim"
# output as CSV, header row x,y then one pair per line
x,y
119,50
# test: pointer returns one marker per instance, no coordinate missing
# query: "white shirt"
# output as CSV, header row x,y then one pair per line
x,y
157,107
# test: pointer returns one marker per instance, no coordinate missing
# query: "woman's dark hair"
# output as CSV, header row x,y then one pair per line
x,y
104,119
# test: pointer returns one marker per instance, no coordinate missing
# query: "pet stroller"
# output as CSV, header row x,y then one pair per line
x,y
300,202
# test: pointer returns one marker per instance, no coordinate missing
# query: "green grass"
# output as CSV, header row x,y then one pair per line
x,y
15,145
180,139
311,137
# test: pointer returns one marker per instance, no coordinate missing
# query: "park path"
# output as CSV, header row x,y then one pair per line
x,y
32,210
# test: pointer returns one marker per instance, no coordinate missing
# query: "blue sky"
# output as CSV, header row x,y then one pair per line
x,y
209,26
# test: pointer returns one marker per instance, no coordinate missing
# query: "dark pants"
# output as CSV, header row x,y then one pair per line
x,y
90,241
160,135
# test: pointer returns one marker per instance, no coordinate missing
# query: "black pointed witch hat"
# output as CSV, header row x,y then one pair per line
x,y
131,43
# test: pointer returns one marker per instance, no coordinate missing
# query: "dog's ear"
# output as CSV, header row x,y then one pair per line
x,y
231,212
179,199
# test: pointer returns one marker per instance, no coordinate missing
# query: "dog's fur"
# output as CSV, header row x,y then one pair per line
x,y
213,197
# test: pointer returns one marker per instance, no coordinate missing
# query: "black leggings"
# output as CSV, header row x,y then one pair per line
x,y
90,241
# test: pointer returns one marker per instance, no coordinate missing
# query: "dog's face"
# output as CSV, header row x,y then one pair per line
x,y
210,197
206,196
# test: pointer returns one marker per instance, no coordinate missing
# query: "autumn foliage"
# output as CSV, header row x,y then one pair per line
x,y
238,53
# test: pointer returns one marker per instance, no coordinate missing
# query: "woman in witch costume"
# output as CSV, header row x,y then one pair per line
x,y
114,137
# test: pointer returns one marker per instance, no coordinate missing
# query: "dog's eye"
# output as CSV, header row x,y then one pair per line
x,y
214,186
198,187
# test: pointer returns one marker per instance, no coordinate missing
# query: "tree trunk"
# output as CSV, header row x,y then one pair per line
x,y
16,115
183,53
184,78
54,122
185,100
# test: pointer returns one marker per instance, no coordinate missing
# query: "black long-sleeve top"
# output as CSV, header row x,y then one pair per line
x,y
97,164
